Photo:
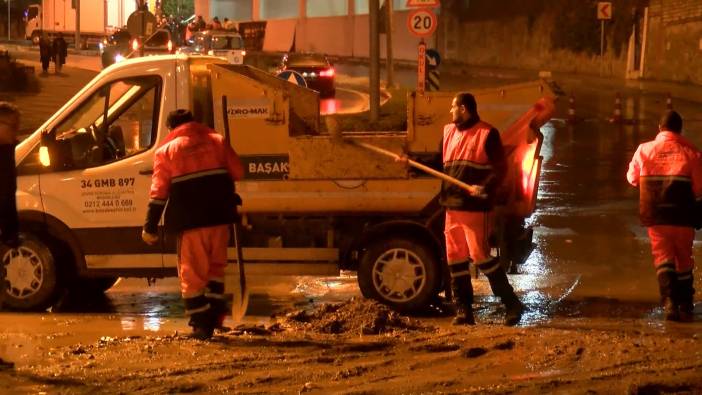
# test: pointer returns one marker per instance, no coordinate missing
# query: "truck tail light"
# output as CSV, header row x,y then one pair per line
x,y
327,73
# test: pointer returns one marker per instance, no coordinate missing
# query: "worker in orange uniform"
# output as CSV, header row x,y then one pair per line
x,y
471,151
668,172
194,171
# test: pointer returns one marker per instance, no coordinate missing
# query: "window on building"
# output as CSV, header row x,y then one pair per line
x,y
236,10
316,8
361,6
279,9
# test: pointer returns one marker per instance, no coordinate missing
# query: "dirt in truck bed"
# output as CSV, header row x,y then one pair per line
x,y
361,347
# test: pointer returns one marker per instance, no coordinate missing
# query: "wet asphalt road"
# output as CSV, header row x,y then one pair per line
x,y
591,260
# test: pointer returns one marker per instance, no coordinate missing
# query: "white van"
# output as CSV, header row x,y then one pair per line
x,y
310,205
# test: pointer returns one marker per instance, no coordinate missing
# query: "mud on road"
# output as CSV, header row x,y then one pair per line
x,y
360,347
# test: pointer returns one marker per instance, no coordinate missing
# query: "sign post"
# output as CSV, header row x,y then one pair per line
x,y
421,67
604,12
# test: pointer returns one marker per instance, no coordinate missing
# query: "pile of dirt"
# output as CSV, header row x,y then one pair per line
x,y
361,316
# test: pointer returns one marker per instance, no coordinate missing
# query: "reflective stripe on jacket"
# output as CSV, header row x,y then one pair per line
x,y
668,173
474,156
194,171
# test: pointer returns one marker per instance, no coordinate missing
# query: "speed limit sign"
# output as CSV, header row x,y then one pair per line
x,y
422,22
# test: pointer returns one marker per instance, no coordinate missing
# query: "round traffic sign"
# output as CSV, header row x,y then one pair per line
x,y
293,77
422,22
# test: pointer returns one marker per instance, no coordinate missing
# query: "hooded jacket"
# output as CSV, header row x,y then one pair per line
x,y
194,172
668,172
472,152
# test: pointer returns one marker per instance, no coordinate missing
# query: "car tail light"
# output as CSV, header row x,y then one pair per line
x,y
327,73
170,46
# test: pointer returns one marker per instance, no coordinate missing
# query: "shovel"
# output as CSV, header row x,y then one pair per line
x,y
241,295
474,190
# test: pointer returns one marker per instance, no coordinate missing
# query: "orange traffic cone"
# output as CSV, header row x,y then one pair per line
x,y
617,113
668,102
572,118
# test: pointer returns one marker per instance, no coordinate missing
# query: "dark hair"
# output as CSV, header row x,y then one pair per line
x,y
671,121
467,100
178,117
7,108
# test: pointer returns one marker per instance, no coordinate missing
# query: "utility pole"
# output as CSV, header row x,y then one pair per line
x,y
374,10
77,24
388,45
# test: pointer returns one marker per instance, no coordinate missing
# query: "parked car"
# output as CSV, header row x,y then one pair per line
x,y
121,45
227,44
316,69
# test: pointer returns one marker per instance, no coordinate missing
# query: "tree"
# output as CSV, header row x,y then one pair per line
x,y
172,7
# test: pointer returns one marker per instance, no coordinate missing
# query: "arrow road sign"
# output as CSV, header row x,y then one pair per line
x,y
292,77
604,10
433,58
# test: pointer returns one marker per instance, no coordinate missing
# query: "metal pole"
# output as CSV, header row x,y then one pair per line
x,y
77,38
388,46
8,20
374,10
601,47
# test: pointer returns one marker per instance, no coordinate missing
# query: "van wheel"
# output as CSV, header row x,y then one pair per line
x,y
36,36
401,273
30,274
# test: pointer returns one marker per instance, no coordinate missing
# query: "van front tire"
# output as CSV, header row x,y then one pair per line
x,y
401,273
31,275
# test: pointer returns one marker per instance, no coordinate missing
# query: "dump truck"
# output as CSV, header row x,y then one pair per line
x,y
97,19
314,202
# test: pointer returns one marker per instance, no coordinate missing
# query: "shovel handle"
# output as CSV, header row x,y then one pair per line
x,y
473,190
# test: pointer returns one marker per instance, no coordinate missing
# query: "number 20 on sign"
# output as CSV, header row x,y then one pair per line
x,y
422,22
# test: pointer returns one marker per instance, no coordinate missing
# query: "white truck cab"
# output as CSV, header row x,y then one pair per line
x,y
311,205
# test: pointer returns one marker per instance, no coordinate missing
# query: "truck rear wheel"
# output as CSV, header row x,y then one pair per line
x,y
401,273
30,274
36,36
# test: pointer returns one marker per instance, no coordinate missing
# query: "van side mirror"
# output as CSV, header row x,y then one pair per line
x,y
54,154
48,140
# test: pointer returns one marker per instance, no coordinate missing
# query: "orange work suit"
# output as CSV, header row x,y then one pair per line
x,y
194,172
668,172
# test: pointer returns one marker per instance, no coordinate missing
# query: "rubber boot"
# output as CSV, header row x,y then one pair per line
x,y
666,285
463,300
201,316
684,297
501,287
202,324
215,296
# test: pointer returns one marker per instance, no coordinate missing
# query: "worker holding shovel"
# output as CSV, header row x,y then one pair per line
x,y
474,166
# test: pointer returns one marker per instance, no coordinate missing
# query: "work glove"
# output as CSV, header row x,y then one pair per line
x,y
149,238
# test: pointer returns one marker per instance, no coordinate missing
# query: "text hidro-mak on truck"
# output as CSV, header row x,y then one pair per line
x,y
313,204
